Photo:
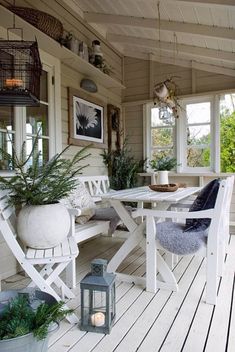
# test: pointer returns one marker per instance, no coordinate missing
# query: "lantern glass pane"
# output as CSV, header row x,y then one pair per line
x,y
112,303
94,308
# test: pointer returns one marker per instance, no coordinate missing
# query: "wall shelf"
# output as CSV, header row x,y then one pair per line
x,y
53,48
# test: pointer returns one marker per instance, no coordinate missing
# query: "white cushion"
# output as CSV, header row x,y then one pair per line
x,y
81,199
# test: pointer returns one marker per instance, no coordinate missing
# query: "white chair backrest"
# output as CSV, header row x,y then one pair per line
x,y
7,226
96,185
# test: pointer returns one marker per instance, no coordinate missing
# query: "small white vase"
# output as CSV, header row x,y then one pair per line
x,y
162,177
43,226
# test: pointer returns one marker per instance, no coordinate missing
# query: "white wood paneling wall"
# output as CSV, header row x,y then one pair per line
x,y
71,78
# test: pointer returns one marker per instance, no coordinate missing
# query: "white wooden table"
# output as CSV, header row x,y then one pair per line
x,y
154,263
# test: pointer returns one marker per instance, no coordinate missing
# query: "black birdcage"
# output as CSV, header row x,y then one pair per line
x,y
20,71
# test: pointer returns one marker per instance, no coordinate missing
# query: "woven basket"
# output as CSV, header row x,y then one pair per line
x,y
41,20
172,187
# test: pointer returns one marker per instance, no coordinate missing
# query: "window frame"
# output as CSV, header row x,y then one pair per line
x,y
180,129
147,128
182,142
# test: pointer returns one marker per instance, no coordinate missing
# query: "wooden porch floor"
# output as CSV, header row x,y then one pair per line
x,y
165,321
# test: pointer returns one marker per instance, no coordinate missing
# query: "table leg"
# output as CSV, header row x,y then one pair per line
x,y
135,237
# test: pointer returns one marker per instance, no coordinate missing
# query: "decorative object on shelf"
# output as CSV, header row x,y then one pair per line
x,y
20,71
96,58
87,120
114,126
42,222
73,44
98,296
165,96
88,85
163,165
41,20
28,318
83,51
172,187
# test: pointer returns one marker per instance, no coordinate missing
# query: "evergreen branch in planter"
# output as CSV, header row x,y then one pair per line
x,y
41,184
18,318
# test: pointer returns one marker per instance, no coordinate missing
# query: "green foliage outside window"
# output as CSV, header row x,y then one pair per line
x,y
227,141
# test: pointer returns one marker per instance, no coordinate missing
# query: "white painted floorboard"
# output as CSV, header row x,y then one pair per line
x,y
146,322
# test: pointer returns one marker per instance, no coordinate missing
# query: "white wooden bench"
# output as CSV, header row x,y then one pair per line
x,y
96,185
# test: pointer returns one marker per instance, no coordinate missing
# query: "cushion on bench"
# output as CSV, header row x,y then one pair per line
x,y
109,214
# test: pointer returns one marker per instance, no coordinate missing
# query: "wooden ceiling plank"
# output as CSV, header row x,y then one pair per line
x,y
188,49
153,23
207,2
182,63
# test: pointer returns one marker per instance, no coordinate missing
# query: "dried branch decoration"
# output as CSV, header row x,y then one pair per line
x,y
165,95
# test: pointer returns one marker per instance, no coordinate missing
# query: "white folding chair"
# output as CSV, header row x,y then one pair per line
x,y
212,246
50,262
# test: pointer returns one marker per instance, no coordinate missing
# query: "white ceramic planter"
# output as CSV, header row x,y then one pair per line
x,y
162,177
43,226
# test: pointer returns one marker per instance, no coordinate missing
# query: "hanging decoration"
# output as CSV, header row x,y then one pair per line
x,y
20,71
165,96
165,93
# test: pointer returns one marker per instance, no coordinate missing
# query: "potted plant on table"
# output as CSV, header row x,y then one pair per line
x,y
42,221
26,327
163,165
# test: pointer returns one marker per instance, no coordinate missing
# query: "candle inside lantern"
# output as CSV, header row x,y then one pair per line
x,y
98,319
13,82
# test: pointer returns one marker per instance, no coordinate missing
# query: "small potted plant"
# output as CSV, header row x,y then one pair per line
x,y
42,221
163,165
23,327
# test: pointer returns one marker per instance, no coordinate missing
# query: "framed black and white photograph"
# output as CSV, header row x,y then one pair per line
x,y
87,120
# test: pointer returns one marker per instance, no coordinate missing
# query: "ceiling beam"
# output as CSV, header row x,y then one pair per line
x,y
153,23
182,63
180,48
208,2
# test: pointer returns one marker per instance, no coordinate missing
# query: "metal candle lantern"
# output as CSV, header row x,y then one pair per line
x,y
98,309
20,70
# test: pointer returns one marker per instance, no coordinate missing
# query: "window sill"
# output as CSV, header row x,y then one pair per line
x,y
189,174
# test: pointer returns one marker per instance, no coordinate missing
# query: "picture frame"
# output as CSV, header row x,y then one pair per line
x,y
87,120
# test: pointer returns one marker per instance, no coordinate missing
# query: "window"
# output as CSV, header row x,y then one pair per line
x,y
21,124
202,138
161,131
197,132
227,132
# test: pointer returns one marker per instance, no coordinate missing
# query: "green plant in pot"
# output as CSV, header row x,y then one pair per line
x,y
42,222
24,327
123,168
163,165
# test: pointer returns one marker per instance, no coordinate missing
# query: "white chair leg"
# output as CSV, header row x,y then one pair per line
x,y
70,273
211,278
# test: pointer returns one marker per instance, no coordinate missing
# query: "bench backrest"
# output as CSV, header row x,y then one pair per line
x,y
96,185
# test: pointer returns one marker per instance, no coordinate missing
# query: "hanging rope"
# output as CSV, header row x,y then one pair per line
x,y
159,29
